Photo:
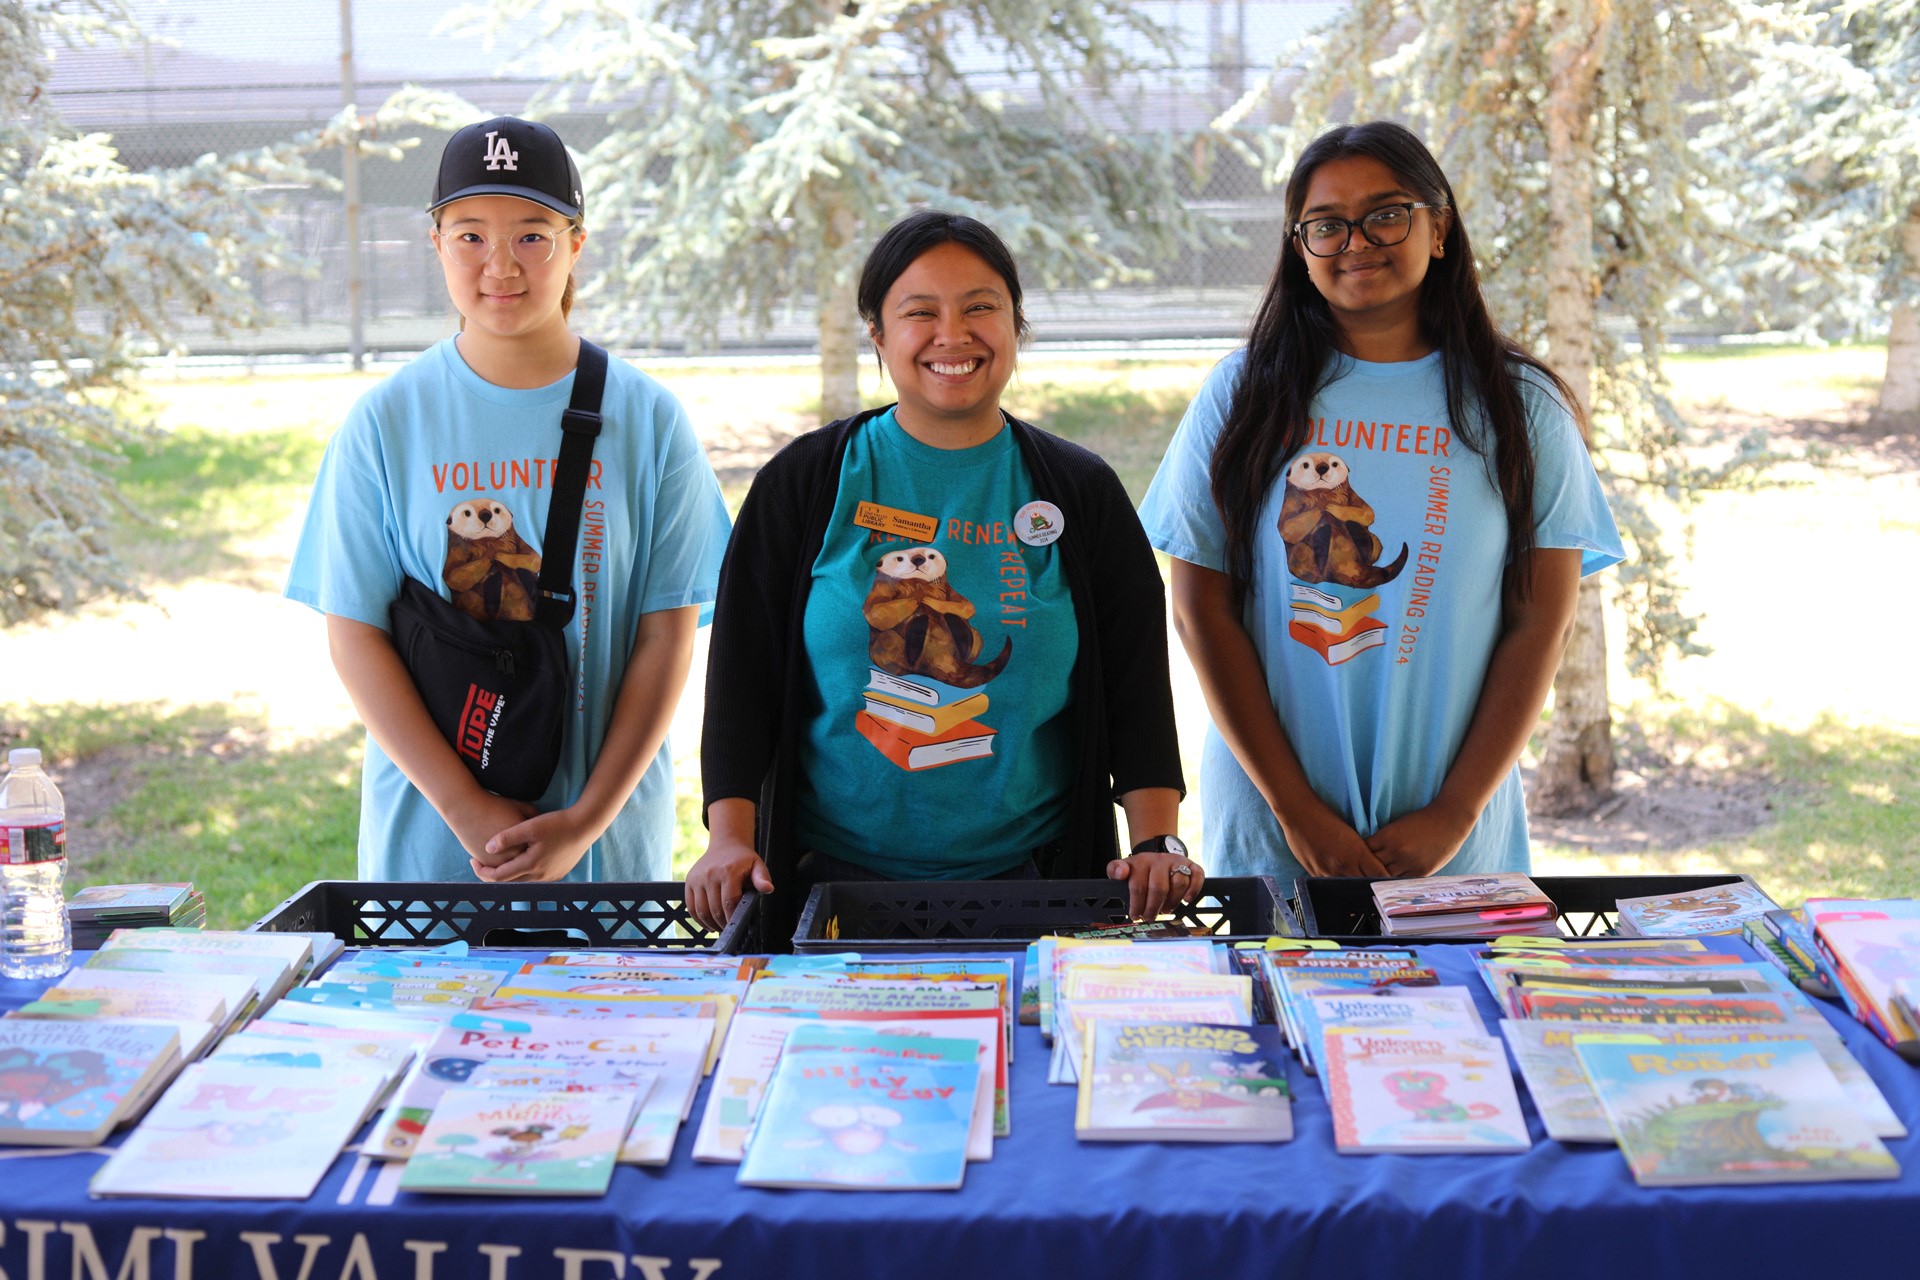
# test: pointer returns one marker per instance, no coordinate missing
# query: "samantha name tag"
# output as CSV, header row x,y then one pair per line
x,y
892,520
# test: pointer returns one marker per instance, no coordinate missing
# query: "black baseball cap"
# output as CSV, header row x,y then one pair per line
x,y
508,156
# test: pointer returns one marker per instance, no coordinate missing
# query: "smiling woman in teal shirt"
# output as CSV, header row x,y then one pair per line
x,y
939,649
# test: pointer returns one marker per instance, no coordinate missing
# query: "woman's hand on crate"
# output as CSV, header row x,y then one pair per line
x,y
717,881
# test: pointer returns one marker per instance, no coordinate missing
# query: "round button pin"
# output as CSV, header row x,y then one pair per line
x,y
1039,524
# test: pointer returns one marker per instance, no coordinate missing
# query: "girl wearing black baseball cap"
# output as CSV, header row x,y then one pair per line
x,y
444,473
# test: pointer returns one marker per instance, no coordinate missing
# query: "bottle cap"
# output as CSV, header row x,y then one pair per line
x,y
23,756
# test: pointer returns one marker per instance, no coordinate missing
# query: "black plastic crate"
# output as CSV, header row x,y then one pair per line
x,y
1342,908
1005,915
369,913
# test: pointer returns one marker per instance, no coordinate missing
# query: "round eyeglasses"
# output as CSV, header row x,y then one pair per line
x,y
1327,236
473,250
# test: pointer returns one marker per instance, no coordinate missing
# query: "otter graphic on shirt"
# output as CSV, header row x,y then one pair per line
x,y
922,707
490,570
1327,529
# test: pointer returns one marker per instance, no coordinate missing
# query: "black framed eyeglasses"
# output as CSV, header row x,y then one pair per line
x,y
1327,235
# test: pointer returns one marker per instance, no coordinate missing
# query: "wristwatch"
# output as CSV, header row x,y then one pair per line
x,y
1163,844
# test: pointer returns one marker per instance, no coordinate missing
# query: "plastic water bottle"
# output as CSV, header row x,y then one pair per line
x,y
35,938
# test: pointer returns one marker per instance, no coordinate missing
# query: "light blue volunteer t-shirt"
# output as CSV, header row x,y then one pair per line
x,y
942,745
436,457
1375,601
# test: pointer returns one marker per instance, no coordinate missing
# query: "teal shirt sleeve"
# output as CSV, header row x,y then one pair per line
x,y
690,525
1569,506
347,562
1179,513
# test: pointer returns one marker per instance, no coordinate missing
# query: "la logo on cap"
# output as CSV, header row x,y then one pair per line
x,y
499,154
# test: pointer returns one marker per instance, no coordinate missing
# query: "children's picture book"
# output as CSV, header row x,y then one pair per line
x,y
1687,1114
1752,1006
1572,1113
1441,1008
294,951
857,1042
229,1130
524,1142
1295,985
1074,1016
1421,1091
67,1084
1499,902
667,1045
1722,908
830,1121
1182,1082
657,1111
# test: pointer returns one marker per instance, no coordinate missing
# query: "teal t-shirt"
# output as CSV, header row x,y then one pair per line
x,y
941,635
1375,600
437,471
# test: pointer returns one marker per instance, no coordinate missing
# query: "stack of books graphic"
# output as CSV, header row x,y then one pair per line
x,y
1333,628
920,723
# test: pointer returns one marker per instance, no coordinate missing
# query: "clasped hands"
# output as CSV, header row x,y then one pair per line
x,y
509,840
1419,843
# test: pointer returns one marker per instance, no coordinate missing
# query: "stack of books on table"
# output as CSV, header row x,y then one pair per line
x,y
1406,1063
97,1047
1723,908
1703,1066
96,911
1160,1039
854,1074
1867,949
496,1075
1504,904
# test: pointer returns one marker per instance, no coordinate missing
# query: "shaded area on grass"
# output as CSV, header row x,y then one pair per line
x,y
203,496
1836,806
158,794
1127,427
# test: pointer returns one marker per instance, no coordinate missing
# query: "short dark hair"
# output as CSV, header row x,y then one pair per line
x,y
916,233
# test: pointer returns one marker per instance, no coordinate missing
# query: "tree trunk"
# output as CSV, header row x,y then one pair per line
x,y
839,320
1576,767
1900,393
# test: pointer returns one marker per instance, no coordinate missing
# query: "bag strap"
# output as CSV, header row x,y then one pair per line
x,y
579,427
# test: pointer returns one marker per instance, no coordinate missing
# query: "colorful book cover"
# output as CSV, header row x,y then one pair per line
x,y
295,951
834,1123
1182,1082
229,993
1421,1092
66,1084
1450,895
659,1101
1076,1015
1572,1113
1720,909
232,1131
1297,984
1690,1114
266,971
103,902
1440,1008
484,1141
1876,950
1757,1006
875,1046
648,1044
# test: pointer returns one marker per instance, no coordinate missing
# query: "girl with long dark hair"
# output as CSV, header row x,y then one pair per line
x,y
1379,513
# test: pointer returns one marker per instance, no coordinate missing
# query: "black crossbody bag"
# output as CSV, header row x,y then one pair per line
x,y
499,691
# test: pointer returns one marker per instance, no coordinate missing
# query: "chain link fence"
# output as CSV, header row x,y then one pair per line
x,y
222,76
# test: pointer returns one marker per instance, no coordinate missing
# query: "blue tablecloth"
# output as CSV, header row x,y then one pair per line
x,y
1044,1204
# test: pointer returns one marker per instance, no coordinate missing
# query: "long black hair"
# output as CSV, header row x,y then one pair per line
x,y
904,242
1291,347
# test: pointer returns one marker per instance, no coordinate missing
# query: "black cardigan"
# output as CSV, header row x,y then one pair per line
x,y
758,691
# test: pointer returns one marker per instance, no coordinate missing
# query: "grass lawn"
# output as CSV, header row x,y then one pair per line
x,y
202,735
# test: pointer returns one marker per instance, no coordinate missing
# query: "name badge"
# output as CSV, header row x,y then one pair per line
x,y
892,520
